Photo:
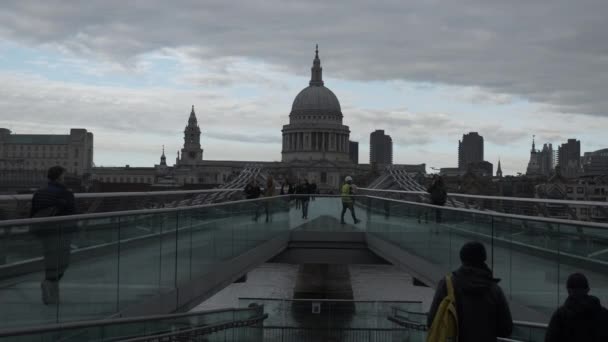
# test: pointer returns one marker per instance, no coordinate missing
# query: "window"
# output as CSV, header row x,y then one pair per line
x,y
579,190
76,164
569,190
323,177
75,153
584,211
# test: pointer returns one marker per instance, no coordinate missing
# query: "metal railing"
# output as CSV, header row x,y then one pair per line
x,y
18,206
225,330
142,328
596,211
522,331
304,334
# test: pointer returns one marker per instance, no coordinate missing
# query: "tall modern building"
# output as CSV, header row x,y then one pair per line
x,y
380,148
470,150
569,158
353,151
547,160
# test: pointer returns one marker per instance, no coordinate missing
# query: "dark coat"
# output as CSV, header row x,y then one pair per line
x,y
581,318
438,193
483,311
252,191
303,189
54,195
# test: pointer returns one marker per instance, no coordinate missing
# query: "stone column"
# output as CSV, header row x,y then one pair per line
x,y
323,141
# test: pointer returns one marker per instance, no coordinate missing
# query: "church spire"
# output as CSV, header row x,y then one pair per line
x,y
316,72
499,170
192,119
163,159
533,144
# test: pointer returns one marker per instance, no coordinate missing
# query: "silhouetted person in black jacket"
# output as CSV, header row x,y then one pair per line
x,y
438,195
581,318
483,311
54,200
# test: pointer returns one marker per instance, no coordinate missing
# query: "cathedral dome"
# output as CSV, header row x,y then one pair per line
x,y
316,98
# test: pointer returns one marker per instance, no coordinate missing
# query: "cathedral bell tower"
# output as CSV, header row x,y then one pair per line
x,y
192,153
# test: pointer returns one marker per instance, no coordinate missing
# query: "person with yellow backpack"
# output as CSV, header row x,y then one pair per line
x,y
469,306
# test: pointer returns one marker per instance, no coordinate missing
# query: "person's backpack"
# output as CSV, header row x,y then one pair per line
x,y
43,229
47,212
445,324
439,195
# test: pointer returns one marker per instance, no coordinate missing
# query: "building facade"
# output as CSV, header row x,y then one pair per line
x,y
569,158
596,163
38,152
380,148
470,150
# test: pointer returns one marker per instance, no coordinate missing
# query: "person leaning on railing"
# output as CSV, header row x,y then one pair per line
x,y
53,200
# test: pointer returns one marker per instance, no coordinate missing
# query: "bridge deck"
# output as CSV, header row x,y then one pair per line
x,y
533,259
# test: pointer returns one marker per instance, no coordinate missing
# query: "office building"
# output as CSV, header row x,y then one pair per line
x,y
380,148
353,151
470,150
596,163
569,158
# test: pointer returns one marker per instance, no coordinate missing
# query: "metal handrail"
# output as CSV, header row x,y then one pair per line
x,y
14,222
123,194
498,214
330,300
500,198
109,321
423,327
189,334
25,221
526,324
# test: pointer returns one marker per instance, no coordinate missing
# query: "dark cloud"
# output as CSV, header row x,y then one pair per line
x,y
549,51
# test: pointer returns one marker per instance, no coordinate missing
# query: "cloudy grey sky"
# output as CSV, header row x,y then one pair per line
x,y
425,71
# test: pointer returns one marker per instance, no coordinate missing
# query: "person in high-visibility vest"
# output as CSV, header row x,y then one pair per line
x,y
347,191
